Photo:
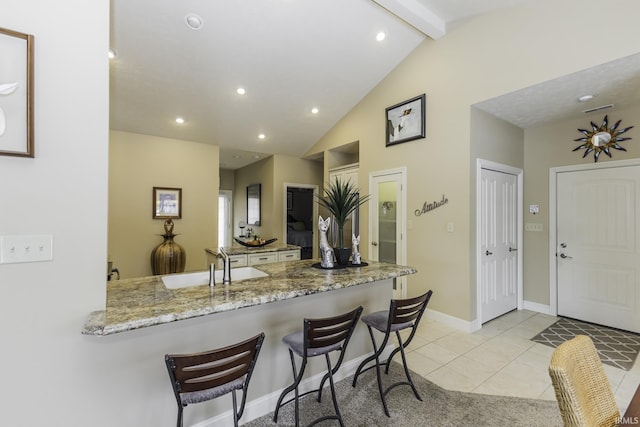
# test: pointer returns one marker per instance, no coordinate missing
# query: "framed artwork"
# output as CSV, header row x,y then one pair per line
x,y
406,121
167,203
16,94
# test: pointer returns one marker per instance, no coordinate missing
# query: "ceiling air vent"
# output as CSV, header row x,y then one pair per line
x,y
602,107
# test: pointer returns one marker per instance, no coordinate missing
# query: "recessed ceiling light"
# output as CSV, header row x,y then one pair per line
x,y
193,21
262,136
112,53
257,156
315,110
380,36
241,91
585,98
236,157
179,120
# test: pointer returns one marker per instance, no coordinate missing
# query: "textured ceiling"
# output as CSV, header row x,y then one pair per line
x,y
616,82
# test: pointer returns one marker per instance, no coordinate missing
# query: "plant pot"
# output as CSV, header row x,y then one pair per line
x,y
342,255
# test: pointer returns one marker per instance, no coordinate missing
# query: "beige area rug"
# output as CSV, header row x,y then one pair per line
x,y
361,407
615,347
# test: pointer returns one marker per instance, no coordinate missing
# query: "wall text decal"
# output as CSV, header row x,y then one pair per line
x,y
431,206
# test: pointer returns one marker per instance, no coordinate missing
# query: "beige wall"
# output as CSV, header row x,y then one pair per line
x,y
137,163
480,58
256,173
227,179
272,173
551,146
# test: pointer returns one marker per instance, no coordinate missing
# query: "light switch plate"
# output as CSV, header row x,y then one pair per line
x,y
532,227
27,248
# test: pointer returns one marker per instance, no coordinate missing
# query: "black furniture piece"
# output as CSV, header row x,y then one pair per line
x,y
402,314
318,337
204,376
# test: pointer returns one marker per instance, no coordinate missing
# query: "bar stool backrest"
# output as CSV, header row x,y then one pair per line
x,y
330,331
407,311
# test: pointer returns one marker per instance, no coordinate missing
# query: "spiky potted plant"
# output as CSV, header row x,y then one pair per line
x,y
341,199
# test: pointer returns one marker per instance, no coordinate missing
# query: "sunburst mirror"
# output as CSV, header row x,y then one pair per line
x,y
601,139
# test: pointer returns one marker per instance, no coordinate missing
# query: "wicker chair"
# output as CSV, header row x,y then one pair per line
x,y
581,385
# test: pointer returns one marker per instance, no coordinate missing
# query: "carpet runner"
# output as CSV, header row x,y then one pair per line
x,y
615,347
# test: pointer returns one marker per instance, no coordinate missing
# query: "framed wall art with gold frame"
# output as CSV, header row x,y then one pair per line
x,y
16,94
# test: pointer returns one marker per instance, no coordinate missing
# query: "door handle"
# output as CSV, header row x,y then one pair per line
x,y
374,243
487,253
512,249
563,256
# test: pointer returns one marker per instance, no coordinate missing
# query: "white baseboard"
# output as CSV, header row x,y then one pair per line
x,y
266,404
537,307
454,322
471,326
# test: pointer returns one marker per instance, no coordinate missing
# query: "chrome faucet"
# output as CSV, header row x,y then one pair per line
x,y
226,275
212,274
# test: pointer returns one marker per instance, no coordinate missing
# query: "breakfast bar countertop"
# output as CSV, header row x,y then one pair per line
x,y
146,301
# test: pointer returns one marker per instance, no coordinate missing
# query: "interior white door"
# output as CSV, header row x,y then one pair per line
x,y
499,243
387,223
598,264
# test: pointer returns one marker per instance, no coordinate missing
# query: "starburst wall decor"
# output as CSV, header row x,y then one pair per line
x,y
601,139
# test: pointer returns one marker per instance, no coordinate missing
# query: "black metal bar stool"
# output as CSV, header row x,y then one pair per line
x,y
402,314
204,376
318,337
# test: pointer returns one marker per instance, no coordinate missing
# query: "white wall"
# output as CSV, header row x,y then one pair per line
x,y
51,372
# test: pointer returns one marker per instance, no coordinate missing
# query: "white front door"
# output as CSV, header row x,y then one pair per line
x,y
386,221
598,244
498,243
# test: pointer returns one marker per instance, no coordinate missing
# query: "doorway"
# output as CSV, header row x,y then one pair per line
x,y
597,243
498,239
225,198
300,210
387,224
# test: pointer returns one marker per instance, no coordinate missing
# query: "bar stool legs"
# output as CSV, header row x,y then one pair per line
x,y
402,314
318,337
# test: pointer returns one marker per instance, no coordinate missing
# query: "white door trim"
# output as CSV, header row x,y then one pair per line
x,y
499,167
553,206
402,222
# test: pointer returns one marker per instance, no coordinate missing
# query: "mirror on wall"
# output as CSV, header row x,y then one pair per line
x,y
253,204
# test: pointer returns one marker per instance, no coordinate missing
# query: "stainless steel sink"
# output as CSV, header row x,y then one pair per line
x,y
185,280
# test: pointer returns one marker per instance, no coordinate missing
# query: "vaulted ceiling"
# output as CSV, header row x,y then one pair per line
x,y
290,56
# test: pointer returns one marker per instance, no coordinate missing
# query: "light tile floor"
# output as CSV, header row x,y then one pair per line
x,y
499,359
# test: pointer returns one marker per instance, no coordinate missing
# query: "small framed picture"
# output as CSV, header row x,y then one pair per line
x,y
405,121
16,94
167,203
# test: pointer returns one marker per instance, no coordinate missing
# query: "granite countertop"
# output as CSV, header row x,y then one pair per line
x,y
143,302
241,250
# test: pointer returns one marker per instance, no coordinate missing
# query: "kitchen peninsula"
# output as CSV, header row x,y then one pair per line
x,y
158,320
143,302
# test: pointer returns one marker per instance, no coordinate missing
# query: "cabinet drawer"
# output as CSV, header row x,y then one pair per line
x,y
288,255
263,258
235,260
